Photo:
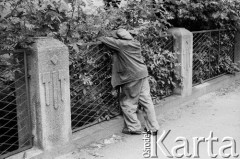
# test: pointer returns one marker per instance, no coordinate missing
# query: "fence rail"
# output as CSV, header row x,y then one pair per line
x,y
15,127
212,49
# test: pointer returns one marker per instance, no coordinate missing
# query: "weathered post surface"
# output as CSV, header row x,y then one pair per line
x,y
22,96
237,48
48,65
183,44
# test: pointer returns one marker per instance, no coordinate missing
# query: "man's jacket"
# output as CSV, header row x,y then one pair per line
x,y
128,62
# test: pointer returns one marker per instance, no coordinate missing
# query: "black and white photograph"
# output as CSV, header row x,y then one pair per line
x,y
119,79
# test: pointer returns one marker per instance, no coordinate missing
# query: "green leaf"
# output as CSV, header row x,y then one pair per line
x,y
63,28
75,48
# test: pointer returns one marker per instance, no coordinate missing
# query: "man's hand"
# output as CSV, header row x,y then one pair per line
x,y
94,43
114,93
87,45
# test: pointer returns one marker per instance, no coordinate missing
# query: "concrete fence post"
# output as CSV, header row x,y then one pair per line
x,y
237,48
48,65
183,44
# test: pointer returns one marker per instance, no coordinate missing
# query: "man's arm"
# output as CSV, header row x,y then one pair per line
x,y
110,42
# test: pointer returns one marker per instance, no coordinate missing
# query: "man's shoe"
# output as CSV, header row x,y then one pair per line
x,y
130,132
146,130
150,132
154,133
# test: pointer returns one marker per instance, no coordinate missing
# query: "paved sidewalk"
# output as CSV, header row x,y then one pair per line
x,y
217,112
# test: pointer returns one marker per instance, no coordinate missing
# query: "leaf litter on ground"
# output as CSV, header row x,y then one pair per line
x,y
94,147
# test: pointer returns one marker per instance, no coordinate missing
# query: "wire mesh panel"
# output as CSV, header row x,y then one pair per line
x,y
167,45
212,50
15,130
92,100
227,43
161,60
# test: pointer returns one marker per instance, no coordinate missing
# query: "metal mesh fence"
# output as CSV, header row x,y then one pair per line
x,y
90,76
166,44
211,51
15,130
161,66
91,98
161,60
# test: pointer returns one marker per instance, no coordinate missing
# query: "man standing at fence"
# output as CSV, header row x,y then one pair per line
x,y
130,74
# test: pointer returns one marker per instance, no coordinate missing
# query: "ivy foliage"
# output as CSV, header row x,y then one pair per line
x,y
68,21
196,15
72,23
23,19
213,55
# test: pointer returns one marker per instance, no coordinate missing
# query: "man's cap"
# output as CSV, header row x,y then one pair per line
x,y
124,34
121,34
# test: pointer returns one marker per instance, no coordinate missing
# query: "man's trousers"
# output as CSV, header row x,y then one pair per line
x,y
133,94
